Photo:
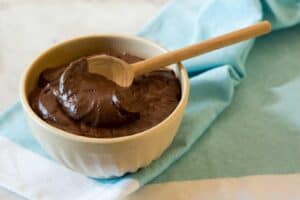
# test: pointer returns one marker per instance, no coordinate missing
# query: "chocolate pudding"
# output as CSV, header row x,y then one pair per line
x,y
72,99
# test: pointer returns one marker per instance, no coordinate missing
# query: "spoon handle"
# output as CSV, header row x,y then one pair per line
x,y
172,57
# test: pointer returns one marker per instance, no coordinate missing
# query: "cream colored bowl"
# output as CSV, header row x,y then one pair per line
x,y
98,157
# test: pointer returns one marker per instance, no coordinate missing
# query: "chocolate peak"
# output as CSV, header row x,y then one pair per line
x,y
91,98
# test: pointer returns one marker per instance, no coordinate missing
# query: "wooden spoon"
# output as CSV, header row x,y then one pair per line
x,y
123,74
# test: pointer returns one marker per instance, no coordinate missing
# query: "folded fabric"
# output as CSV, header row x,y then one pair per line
x,y
213,80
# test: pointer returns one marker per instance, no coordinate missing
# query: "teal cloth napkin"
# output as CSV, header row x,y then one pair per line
x,y
214,77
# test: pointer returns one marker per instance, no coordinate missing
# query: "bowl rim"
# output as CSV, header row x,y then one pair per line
x,y
78,138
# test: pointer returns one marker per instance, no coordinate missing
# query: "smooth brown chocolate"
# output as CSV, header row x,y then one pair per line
x,y
72,99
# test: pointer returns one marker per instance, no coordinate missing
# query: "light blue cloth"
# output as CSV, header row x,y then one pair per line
x,y
214,77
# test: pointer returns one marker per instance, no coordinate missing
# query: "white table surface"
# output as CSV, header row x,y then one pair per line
x,y
29,27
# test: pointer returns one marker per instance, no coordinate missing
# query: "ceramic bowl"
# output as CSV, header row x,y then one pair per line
x,y
102,157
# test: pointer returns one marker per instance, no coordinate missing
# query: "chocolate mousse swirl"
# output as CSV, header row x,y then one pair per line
x,y
93,99
74,100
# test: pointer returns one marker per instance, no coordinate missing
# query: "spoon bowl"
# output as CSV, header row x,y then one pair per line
x,y
112,68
